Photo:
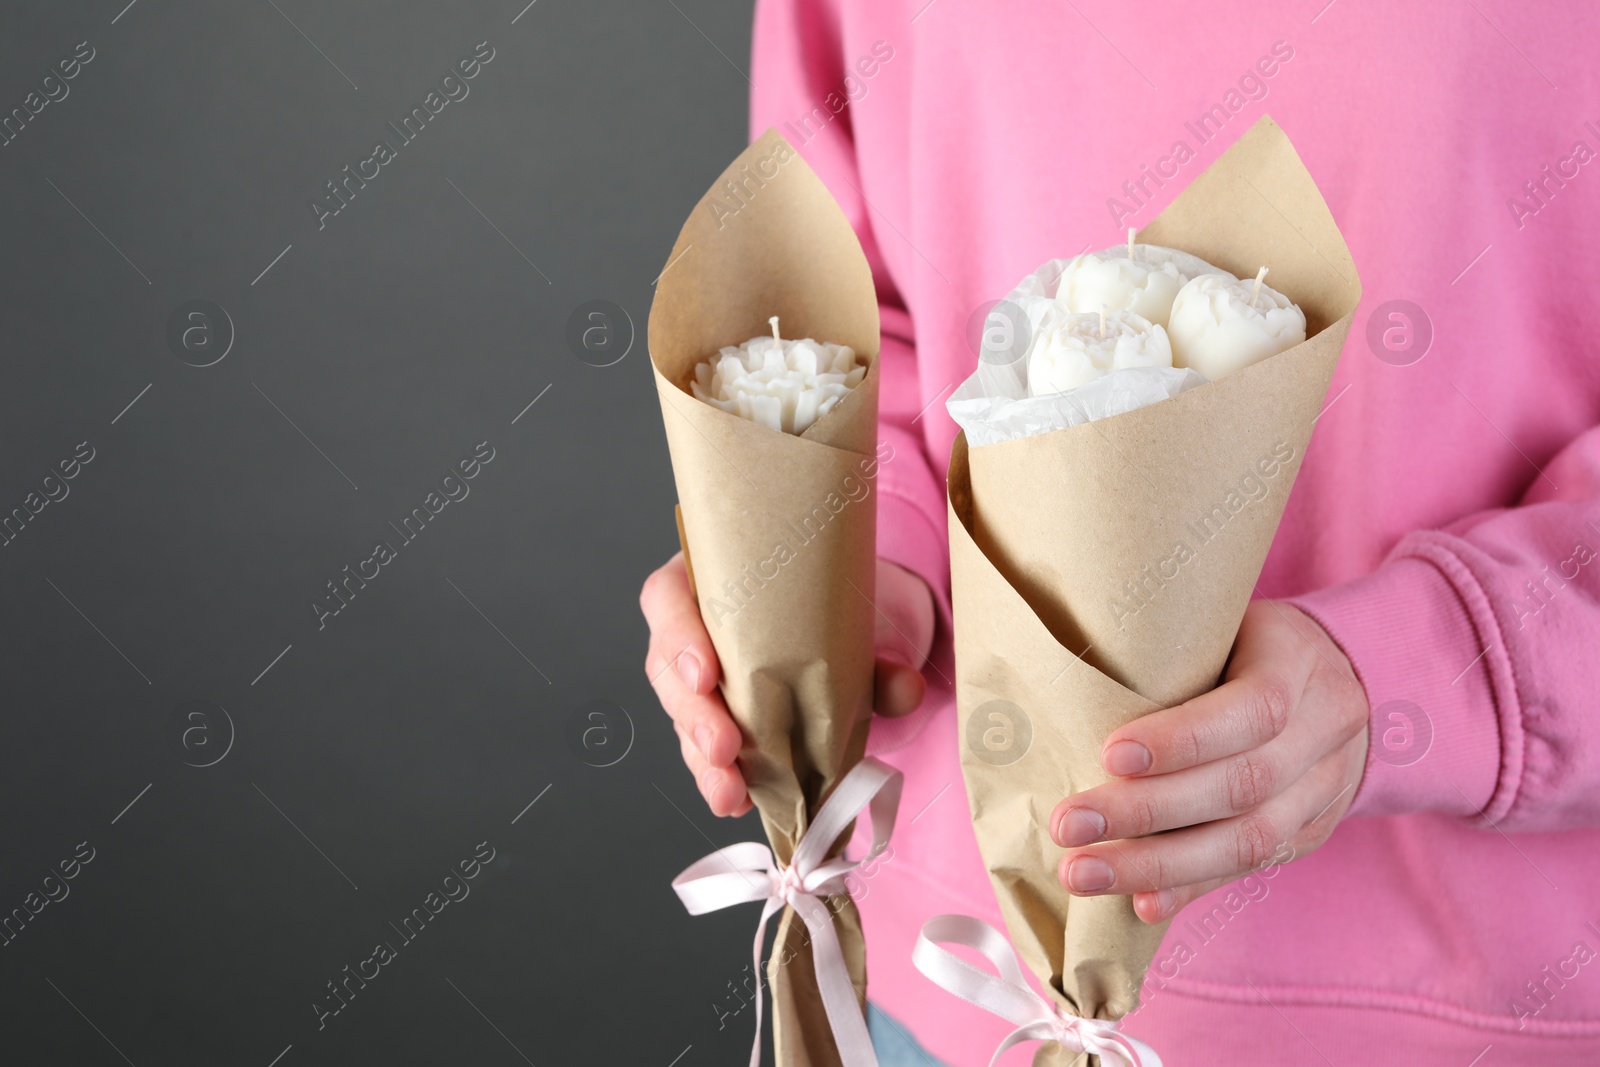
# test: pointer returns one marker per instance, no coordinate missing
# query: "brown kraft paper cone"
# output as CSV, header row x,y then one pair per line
x,y
779,529
1100,572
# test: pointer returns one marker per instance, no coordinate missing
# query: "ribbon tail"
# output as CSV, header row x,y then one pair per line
x,y
833,983
770,909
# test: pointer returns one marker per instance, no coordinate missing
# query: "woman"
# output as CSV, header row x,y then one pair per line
x,y
1413,719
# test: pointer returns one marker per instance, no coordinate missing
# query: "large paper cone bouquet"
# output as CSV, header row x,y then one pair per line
x,y
1101,571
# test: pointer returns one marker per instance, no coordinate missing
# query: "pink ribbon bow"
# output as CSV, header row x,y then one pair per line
x,y
747,872
1009,996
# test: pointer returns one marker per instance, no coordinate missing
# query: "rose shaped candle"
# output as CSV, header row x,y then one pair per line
x,y
1220,325
1143,279
1074,350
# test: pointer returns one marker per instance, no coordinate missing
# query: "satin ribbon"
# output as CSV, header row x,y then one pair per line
x,y
747,872
1009,996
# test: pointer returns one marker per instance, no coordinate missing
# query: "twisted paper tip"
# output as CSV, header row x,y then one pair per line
x,y
747,872
1009,996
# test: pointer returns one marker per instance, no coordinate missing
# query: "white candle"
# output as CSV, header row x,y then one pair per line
x,y
1220,325
1073,350
782,385
1143,279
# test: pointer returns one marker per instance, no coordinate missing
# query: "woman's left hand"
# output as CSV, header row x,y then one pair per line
x,y
1270,758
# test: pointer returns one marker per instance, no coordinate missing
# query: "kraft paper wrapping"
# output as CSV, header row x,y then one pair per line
x,y
780,529
1101,572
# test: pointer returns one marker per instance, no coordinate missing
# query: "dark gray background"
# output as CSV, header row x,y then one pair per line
x,y
378,751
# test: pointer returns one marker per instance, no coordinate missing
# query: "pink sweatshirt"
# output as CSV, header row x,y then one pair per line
x,y
1445,528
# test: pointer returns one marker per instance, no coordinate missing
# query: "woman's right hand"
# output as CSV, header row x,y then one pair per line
x,y
683,669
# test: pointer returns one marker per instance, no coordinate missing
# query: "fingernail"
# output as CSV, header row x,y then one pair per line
x,y
1079,826
1163,903
689,670
1123,758
702,740
1088,874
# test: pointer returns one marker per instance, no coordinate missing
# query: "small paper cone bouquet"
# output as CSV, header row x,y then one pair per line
x,y
779,534
1101,571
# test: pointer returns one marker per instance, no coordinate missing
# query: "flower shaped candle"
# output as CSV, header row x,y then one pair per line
x,y
1074,350
782,385
1220,325
1143,279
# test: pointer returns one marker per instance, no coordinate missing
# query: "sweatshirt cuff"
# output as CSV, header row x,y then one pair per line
x,y
1435,740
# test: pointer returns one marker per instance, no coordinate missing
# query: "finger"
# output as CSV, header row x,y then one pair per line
x,y
1134,807
1267,676
1163,904
722,788
682,665
1349,764
678,636
703,718
1227,848
897,689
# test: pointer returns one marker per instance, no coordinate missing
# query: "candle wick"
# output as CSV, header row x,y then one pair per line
x,y
774,322
1260,274
1130,242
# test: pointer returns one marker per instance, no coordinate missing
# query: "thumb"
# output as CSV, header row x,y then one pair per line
x,y
898,687
903,635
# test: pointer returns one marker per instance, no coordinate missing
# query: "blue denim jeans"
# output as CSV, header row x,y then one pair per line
x,y
894,1044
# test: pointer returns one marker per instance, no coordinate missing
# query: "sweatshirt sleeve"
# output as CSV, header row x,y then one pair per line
x,y
1477,646
799,66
